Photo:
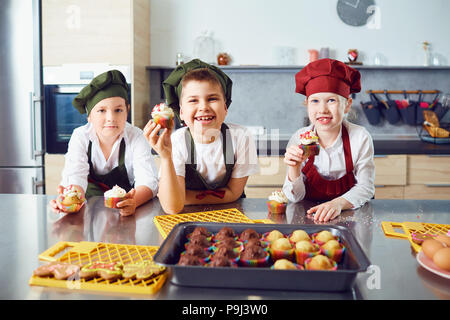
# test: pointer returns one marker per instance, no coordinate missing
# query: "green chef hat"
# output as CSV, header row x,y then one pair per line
x,y
173,84
106,85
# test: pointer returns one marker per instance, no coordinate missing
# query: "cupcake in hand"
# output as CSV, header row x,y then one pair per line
x,y
114,196
71,199
163,115
309,143
277,202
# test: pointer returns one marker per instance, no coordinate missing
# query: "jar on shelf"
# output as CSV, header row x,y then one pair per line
x,y
204,47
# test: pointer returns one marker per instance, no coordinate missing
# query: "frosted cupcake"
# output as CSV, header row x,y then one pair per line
x,y
71,200
277,202
113,196
163,115
309,143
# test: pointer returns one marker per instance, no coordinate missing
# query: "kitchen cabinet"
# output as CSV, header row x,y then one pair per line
x,y
390,176
270,178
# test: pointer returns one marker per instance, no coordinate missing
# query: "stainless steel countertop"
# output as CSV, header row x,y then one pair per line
x,y
29,227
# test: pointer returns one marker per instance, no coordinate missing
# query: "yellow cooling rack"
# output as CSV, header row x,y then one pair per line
x,y
85,252
165,223
410,227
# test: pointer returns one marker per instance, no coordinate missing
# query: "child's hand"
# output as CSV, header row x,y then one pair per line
x,y
128,206
329,210
294,157
162,143
55,205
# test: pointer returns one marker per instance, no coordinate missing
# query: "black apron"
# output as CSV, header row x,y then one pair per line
x,y
99,183
193,179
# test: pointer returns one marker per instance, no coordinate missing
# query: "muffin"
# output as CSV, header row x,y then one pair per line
x,y
225,252
200,240
228,243
273,235
224,233
304,250
322,237
163,115
309,143
320,262
200,231
220,262
248,234
253,256
281,249
197,251
299,235
114,196
255,242
333,250
277,202
71,200
188,260
284,264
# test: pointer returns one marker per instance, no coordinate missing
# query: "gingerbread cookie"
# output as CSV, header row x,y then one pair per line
x,y
142,270
60,270
109,271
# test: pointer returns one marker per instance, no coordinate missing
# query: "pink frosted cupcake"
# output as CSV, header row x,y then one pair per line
x,y
113,196
71,200
309,143
277,202
163,115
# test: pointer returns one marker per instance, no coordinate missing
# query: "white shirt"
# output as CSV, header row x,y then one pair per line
x,y
210,160
330,164
139,161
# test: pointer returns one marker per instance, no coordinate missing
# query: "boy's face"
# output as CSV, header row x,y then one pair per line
x,y
108,117
202,106
325,110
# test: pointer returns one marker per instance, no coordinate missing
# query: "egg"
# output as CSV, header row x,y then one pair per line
x,y
430,247
442,258
444,239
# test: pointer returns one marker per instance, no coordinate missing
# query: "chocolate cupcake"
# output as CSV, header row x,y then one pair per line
x,y
197,251
254,256
200,230
220,262
228,242
224,233
225,252
199,239
248,234
188,260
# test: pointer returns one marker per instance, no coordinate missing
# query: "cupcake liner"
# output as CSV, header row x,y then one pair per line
x,y
320,243
75,207
335,255
111,202
276,207
299,267
310,149
163,121
281,254
301,256
307,267
263,262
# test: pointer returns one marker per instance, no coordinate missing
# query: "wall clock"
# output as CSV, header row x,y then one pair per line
x,y
355,12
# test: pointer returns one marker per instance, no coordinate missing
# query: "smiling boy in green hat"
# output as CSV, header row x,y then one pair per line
x,y
207,161
108,151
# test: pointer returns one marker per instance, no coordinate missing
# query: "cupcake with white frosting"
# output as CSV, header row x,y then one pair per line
x,y
71,200
277,202
113,196
163,115
309,143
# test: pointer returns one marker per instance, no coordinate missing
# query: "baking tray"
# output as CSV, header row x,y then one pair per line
x,y
354,261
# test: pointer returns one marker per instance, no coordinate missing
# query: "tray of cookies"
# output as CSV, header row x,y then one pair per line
x,y
262,256
103,267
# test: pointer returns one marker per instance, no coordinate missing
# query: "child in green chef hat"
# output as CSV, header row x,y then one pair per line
x,y
108,151
207,161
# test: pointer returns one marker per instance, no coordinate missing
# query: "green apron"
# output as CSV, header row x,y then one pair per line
x,y
193,179
99,183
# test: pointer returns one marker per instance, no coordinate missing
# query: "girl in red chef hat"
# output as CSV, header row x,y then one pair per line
x,y
341,176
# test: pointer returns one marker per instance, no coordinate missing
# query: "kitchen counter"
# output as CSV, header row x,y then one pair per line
x,y
29,227
381,147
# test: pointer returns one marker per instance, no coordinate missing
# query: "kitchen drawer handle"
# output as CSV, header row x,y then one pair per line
x,y
380,156
438,155
380,186
437,185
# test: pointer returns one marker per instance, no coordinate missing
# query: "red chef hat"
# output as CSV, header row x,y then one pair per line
x,y
327,75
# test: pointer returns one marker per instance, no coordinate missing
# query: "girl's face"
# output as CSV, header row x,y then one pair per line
x,y
326,112
108,117
202,106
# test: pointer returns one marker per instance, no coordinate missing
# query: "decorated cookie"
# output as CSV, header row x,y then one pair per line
x,y
108,271
59,270
142,270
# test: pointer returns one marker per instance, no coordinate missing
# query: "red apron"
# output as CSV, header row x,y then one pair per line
x,y
320,189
